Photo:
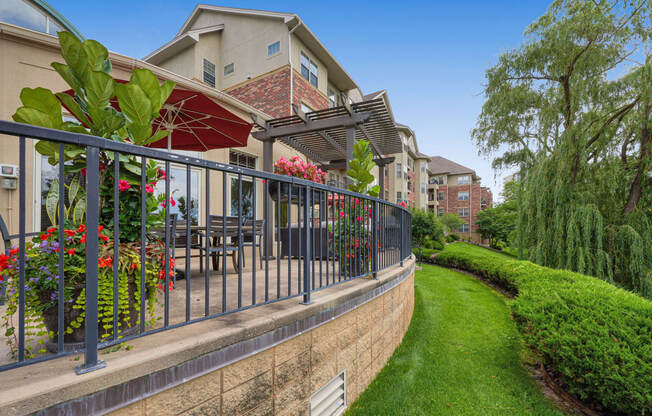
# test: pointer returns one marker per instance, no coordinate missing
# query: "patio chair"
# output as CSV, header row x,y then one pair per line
x,y
217,246
6,240
178,235
252,237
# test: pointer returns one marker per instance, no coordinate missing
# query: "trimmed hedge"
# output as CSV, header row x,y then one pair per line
x,y
597,337
426,253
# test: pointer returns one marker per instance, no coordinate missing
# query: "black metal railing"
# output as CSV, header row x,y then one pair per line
x,y
286,238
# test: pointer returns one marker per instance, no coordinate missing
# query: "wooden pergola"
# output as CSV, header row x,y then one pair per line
x,y
327,136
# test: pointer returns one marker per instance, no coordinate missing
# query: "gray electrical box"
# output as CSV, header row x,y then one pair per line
x,y
8,183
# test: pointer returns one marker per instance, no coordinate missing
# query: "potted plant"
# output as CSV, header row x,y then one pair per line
x,y
297,168
87,71
352,230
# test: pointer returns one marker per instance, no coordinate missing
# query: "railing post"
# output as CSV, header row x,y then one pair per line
x,y
91,362
307,228
374,240
402,232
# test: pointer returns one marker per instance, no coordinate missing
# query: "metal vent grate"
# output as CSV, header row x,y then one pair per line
x,y
330,400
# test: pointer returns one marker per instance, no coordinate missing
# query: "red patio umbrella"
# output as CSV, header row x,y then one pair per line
x,y
196,123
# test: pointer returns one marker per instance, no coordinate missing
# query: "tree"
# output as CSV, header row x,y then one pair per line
x,y
572,107
496,225
451,222
425,225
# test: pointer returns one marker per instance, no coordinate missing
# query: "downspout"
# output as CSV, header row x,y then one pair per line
x,y
290,59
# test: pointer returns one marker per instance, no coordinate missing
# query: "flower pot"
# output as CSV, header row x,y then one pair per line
x,y
283,196
127,321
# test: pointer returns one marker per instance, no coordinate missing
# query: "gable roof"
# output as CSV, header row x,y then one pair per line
x,y
336,73
440,164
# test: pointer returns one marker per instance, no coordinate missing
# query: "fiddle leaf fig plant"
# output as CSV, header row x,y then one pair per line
x,y
360,170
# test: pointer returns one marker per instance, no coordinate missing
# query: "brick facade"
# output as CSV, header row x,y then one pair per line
x,y
412,189
270,93
476,194
305,92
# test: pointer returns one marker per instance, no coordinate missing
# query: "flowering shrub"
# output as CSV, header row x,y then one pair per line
x,y
351,235
299,168
42,285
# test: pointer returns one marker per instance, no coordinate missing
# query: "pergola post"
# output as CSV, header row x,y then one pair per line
x,y
268,166
381,181
350,139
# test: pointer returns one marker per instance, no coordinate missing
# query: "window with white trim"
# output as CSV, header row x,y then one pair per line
x,y
209,72
464,228
274,48
399,171
463,212
464,180
332,98
309,70
463,196
228,69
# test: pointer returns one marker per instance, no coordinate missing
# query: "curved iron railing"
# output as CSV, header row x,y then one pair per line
x,y
301,237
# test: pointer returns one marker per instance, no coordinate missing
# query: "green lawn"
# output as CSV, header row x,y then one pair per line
x,y
462,355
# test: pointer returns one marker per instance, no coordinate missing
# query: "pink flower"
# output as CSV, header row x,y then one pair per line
x,y
149,189
342,214
172,202
123,185
83,171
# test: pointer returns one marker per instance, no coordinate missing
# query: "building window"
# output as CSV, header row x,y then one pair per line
x,y
464,228
209,72
242,159
409,163
309,69
463,212
228,69
440,211
398,197
464,180
274,48
332,98
22,13
440,196
423,187
463,196
440,180
432,180
399,172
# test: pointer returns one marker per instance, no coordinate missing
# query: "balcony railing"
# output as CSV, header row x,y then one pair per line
x,y
286,237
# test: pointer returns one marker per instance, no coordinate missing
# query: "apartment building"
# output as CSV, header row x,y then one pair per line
x,y
406,178
458,189
266,59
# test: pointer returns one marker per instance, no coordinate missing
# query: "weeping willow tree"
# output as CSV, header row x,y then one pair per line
x,y
572,106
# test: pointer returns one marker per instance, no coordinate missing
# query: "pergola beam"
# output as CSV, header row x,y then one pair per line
x,y
314,125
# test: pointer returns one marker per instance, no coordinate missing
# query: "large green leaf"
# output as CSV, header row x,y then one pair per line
x,y
73,188
166,89
74,107
34,117
160,134
43,100
96,53
99,89
79,211
134,103
148,82
71,79
140,133
46,148
52,201
74,54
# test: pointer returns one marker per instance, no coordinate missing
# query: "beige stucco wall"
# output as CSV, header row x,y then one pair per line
x,y
25,58
280,380
322,72
183,63
243,42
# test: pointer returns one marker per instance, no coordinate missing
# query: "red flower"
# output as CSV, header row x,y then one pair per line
x,y
4,262
104,238
149,189
81,228
70,233
123,185
83,171
13,251
71,251
83,239
52,229
45,236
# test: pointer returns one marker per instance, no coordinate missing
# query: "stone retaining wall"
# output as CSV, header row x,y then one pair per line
x,y
281,379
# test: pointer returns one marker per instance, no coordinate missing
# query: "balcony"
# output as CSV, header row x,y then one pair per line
x,y
158,272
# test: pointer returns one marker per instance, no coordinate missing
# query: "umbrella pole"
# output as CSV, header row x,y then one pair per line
x,y
170,141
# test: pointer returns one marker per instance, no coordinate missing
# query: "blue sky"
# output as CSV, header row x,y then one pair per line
x,y
429,55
